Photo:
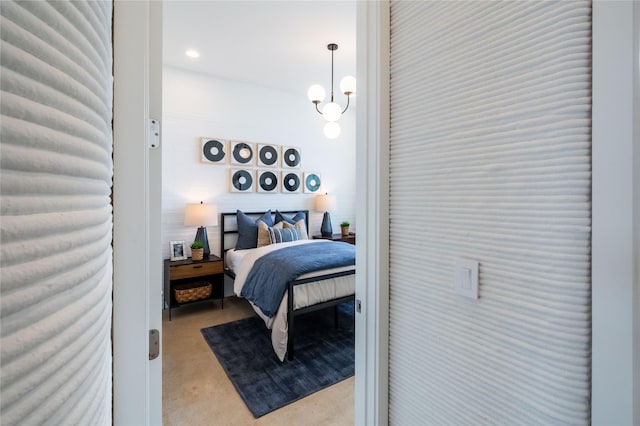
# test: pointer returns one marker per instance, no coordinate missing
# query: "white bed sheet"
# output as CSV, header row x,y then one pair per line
x,y
241,261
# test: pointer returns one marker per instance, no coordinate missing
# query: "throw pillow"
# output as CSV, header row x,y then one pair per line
x,y
282,218
300,227
264,237
248,229
283,235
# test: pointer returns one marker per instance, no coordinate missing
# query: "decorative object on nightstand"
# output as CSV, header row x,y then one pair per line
x,y
344,228
325,203
197,250
201,215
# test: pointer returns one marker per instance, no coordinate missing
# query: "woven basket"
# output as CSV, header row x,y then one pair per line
x,y
197,291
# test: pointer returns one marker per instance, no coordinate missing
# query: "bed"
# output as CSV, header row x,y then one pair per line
x,y
318,289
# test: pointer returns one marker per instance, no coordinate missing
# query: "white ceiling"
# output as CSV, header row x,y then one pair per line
x,y
277,44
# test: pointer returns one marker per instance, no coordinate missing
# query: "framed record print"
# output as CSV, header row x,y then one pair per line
x,y
291,182
213,151
242,180
312,182
267,181
268,155
291,157
242,153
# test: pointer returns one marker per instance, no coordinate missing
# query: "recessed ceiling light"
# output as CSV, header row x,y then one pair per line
x,y
193,54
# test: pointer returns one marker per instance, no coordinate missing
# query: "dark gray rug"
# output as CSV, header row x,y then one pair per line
x,y
324,356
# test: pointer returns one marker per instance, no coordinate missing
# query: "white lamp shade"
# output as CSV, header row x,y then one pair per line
x,y
348,85
332,111
316,93
332,130
201,215
325,203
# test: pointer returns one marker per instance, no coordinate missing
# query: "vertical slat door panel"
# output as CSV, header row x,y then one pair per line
x,y
490,160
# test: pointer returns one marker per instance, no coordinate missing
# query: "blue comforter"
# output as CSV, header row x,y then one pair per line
x,y
267,281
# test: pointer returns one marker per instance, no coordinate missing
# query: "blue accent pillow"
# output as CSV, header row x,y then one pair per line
x,y
282,218
283,235
248,229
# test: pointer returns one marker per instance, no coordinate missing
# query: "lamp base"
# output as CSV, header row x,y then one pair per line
x,y
326,230
201,236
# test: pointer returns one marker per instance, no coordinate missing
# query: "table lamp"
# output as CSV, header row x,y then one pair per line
x,y
325,203
201,215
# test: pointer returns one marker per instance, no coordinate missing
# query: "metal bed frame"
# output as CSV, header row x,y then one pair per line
x,y
291,313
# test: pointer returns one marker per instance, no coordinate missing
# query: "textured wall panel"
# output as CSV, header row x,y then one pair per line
x,y
490,160
56,262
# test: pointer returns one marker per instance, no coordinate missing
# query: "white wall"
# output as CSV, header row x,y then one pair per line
x,y
196,105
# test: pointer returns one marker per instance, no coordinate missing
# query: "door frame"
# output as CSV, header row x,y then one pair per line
x,y
372,181
137,381
616,135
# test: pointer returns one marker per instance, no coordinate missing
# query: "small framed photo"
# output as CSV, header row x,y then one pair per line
x,y
178,251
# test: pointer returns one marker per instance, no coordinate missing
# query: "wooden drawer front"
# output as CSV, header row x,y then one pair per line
x,y
195,270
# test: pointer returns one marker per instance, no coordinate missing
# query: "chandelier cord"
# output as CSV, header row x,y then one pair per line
x,y
333,50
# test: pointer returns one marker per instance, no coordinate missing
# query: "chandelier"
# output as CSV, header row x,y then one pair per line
x,y
332,111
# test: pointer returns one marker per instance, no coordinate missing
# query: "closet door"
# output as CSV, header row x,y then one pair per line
x,y
490,160
56,216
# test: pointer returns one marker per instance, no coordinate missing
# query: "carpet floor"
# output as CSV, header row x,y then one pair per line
x,y
324,356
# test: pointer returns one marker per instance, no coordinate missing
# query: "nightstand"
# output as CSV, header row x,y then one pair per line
x,y
351,238
188,276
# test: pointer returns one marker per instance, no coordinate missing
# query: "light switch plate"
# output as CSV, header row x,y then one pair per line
x,y
466,279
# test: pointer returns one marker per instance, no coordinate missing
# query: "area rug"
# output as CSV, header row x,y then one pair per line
x,y
324,356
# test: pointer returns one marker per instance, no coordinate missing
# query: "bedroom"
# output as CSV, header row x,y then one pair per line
x,y
216,97
614,287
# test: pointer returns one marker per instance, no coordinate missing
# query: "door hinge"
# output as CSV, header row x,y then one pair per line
x,y
154,344
154,133
358,306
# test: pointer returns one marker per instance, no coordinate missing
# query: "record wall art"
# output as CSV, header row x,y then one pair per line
x,y
312,182
268,155
242,180
267,181
275,162
242,153
291,182
291,157
213,151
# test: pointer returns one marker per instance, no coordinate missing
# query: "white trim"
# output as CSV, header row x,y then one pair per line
x,y
636,213
372,177
132,400
615,248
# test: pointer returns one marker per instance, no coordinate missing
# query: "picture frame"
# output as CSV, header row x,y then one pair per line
x,y
242,153
268,181
213,150
268,155
312,182
178,250
291,182
242,180
291,157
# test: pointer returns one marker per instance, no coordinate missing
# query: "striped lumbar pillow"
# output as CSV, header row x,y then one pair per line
x,y
283,235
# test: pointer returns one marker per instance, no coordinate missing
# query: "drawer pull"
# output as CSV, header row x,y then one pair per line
x,y
197,266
